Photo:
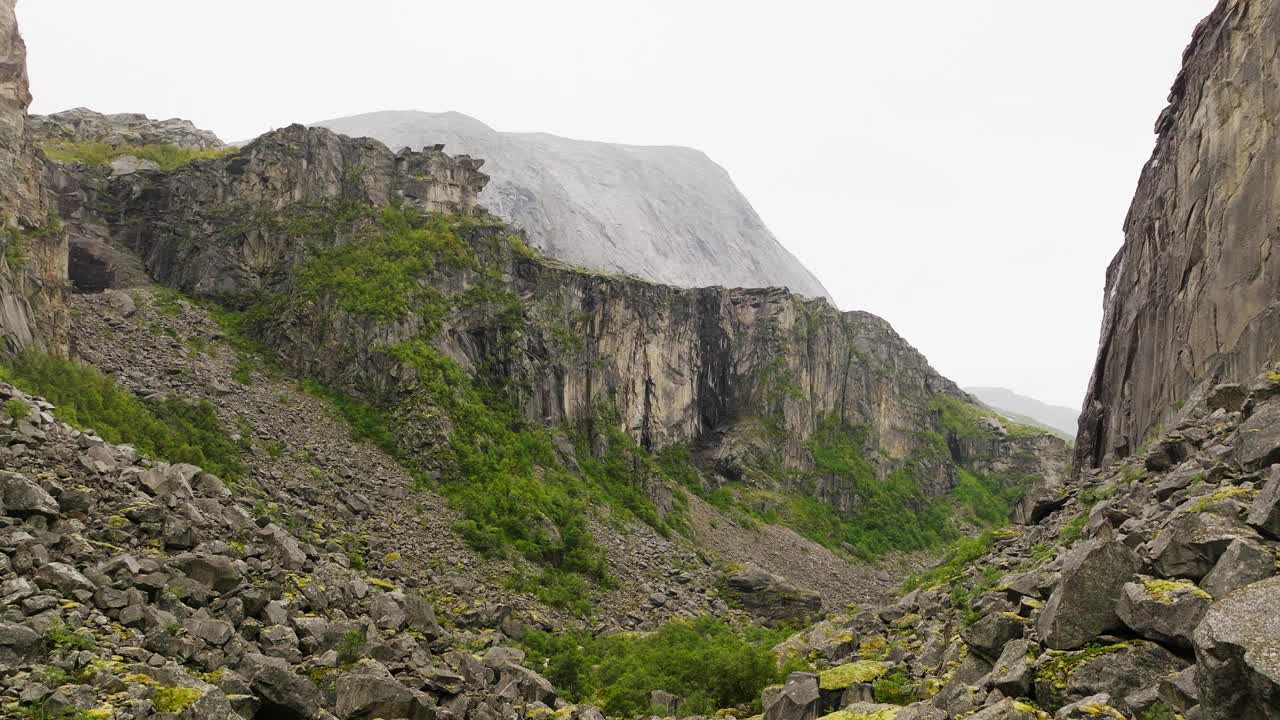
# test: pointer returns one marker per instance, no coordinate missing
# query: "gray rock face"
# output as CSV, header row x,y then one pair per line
x,y
32,291
768,597
1192,297
84,125
666,214
1238,655
796,700
1084,604
1117,671
1245,562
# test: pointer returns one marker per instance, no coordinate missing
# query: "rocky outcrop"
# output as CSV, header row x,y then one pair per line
x,y
85,125
33,267
1191,298
666,214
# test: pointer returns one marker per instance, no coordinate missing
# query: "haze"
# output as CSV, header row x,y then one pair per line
x,y
961,169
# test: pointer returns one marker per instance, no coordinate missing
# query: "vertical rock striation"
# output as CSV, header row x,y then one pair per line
x,y
34,263
1193,296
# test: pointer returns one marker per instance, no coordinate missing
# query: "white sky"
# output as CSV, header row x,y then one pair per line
x,y
960,168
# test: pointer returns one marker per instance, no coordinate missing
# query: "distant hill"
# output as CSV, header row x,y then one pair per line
x,y
665,214
1061,420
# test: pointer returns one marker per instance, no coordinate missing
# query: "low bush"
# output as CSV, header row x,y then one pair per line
x,y
709,663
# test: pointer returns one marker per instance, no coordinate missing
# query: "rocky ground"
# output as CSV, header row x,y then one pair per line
x,y
1146,590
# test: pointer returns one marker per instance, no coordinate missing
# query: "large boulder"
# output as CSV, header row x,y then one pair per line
x,y
989,635
796,700
1166,611
19,645
1264,513
1257,441
770,598
370,691
282,692
21,496
1117,670
1012,674
1245,562
1238,655
1190,545
1083,606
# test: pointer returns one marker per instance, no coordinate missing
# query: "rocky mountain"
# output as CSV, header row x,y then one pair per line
x,y
84,125
1062,420
1191,298
338,443
665,214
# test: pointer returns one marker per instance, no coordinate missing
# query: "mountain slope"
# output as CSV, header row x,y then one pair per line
x,y
1027,409
665,214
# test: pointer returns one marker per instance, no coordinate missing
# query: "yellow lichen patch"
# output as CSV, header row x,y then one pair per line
x,y
140,679
1219,495
102,712
1016,618
168,699
883,714
380,583
907,620
839,678
874,647
1100,710
1164,591
1031,710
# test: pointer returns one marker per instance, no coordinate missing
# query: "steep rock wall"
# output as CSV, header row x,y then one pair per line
x,y
679,365
1193,296
33,268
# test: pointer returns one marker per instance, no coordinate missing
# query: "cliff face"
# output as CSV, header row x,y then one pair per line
x,y
666,214
740,373
1193,297
84,125
34,264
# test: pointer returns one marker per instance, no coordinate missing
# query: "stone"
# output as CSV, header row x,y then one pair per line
x,y
21,496
1038,504
1117,670
1264,513
1181,691
1257,441
18,645
1094,707
130,164
664,703
1166,611
1007,709
1237,648
989,635
279,687
1083,606
797,700
64,578
1190,545
387,612
1243,563
1012,672
368,690
216,572
214,632
770,598
1227,396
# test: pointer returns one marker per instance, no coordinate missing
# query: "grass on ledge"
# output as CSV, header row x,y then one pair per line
x,y
168,157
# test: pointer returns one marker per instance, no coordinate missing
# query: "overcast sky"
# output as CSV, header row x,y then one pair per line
x,y
960,168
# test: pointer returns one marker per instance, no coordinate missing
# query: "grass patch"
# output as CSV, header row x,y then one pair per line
x,y
168,157
170,429
709,663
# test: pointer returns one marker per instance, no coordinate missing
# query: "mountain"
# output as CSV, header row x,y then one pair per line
x,y
665,214
1061,420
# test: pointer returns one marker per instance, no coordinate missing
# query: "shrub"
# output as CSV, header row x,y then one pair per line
x,y
171,429
17,409
65,638
351,646
709,663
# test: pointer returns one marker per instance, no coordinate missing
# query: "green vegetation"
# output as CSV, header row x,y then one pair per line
x,y
898,688
1160,711
961,419
842,676
1055,672
170,429
41,711
709,663
65,638
1163,591
17,240
557,588
168,157
351,646
367,421
17,409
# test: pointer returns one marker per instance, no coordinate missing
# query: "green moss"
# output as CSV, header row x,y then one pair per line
x,y
839,678
1219,495
873,647
883,714
1031,710
65,638
168,699
1055,671
1099,710
168,157
1164,591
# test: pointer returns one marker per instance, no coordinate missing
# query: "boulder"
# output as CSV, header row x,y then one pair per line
x,y
1180,692
1083,606
216,572
1166,611
1264,513
797,700
1038,504
1010,709
1190,545
1094,707
21,496
64,578
1012,674
279,688
770,598
1243,563
989,635
370,691
1257,440
1238,654
1117,670
19,645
